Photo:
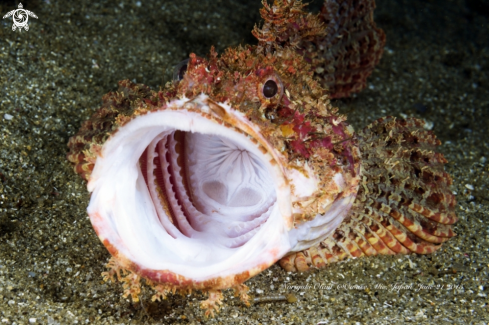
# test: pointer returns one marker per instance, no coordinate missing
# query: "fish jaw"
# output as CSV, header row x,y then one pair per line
x,y
130,227
307,154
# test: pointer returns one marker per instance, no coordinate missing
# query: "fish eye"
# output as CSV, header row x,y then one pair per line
x,y
180,70
270,89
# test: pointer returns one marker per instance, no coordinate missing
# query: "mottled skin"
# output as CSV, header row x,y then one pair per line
x,y
301,124
404,204
403,201
342,44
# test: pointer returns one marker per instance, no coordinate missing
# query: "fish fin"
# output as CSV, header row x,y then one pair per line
x,y
351,48
341,43
286,25
404,204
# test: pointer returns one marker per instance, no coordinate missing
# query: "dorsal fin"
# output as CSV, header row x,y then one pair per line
x,y
352,47
342,42
286,25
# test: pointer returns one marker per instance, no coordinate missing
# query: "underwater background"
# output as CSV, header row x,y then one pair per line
x,y
52,77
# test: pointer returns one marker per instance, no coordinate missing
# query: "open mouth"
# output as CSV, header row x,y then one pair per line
x,y
207,187
187,191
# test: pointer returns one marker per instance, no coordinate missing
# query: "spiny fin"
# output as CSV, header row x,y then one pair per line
x,y
352,47
342,42
403,204
286,25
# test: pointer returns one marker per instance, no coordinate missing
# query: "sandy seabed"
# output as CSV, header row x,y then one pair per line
x,y
52,77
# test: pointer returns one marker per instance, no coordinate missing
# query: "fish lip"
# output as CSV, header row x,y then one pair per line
x,y
315,231
219,115
177,280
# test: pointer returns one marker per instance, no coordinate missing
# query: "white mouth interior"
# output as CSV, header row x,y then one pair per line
x,y
175,191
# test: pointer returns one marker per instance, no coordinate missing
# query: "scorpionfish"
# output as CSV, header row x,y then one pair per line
x,y
242,161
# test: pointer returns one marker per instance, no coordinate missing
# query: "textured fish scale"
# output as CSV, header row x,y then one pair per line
x,y
403,205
